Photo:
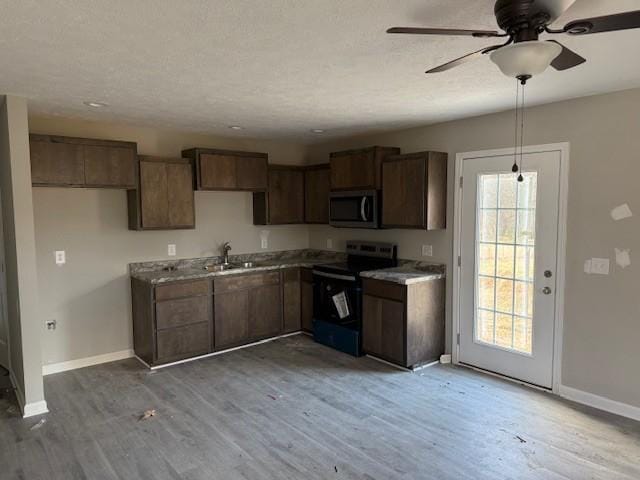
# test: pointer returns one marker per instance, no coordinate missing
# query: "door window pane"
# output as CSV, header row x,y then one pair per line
x,y
505,253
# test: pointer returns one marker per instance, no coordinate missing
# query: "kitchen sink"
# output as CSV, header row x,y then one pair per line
x,y
221,267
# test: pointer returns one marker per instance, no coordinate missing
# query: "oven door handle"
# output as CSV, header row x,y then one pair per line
x,y
363,209
334,275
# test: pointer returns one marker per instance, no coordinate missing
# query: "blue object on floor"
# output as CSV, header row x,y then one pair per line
x,y
339,337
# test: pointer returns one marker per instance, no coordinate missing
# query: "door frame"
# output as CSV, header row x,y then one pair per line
x,y
5,353
564,149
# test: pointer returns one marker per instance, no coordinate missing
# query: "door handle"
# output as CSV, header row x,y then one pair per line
x,y
363,209
546,290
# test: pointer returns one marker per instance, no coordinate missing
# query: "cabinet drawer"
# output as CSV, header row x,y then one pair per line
x,y
242,282
182,342
181,290
382,289
186,311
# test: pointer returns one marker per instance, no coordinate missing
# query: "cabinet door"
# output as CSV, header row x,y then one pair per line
x,y
231,319
291,300
108,166
383,329
154,199
316,190
251,173
353,171
56,164
183,342
217,172
306,307
180,195
286,196
403,193
265,312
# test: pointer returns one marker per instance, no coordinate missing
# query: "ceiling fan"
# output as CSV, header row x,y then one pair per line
x,y
522,22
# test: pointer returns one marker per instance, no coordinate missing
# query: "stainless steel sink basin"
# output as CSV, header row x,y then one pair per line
x,y
245,265
222,267
219,267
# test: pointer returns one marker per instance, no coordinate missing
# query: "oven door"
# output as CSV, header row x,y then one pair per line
x,y
354,209
337,299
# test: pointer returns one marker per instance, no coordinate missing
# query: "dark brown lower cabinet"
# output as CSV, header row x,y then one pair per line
x,y
306,299
171,321
403,324
291,300
247,308
178,320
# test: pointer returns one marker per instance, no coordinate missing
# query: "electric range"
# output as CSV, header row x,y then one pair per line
x,y
337,294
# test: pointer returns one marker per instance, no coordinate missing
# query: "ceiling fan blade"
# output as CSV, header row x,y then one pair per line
x,y
567,58
464,59
445,31
607,23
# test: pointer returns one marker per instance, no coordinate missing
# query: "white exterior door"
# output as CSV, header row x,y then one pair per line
x,y
508,265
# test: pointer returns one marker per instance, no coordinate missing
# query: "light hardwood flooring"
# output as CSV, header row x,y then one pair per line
x,y
292,409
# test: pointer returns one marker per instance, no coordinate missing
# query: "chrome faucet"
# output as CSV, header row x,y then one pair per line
x,y
225,253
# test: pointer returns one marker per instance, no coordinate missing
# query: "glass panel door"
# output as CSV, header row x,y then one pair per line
x,y
505,252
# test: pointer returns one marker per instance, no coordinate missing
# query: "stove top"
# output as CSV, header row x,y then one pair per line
x,y
363,256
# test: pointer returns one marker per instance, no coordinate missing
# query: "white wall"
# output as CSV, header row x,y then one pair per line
x,y
90,295
19,242
602,313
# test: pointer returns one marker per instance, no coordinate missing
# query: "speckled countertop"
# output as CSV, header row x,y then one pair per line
x,y
408,272
194,268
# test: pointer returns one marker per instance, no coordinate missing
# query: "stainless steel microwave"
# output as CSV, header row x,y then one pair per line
x,y
354,209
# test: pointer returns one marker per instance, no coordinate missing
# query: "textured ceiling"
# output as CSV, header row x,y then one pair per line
x,y
280,68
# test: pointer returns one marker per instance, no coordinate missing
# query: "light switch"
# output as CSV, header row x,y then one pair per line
x,y
171,250
61,257
427,250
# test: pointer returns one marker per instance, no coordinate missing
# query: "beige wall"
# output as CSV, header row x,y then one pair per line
x,y
602,313
89,296
19,242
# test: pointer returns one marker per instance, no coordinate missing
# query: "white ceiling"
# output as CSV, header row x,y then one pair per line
x,y
280,68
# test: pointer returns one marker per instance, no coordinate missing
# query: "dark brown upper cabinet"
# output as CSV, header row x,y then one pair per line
x,y
316,193
164,198
82,162
359,169
228,169
283,202
414,191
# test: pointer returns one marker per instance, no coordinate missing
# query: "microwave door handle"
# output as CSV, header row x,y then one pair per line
x,y
363,209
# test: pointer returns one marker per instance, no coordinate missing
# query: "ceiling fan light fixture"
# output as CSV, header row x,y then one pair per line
x,y
525,59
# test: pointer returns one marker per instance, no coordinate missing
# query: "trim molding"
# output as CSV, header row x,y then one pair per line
x,y
35,408
18,390
601,403
86,362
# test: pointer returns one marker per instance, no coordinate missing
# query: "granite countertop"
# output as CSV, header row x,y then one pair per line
x,y
192,269
408,272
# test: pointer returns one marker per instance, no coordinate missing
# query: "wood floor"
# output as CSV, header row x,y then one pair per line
x,y
292,409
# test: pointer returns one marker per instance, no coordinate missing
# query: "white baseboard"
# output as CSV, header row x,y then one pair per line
x,y
86,362
601,403
35,408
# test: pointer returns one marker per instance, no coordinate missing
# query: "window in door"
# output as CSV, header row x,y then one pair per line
x,y
505,253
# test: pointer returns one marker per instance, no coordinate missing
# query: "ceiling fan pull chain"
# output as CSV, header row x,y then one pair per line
x,y
520,177
515,169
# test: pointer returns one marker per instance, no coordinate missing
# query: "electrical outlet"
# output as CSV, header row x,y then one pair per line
x,y
61,257
427,250
264,242
51,324
171,250
600,266
329,243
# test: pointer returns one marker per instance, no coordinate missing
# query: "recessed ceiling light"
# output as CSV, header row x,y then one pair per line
x,y
96,104
235,127
317,131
